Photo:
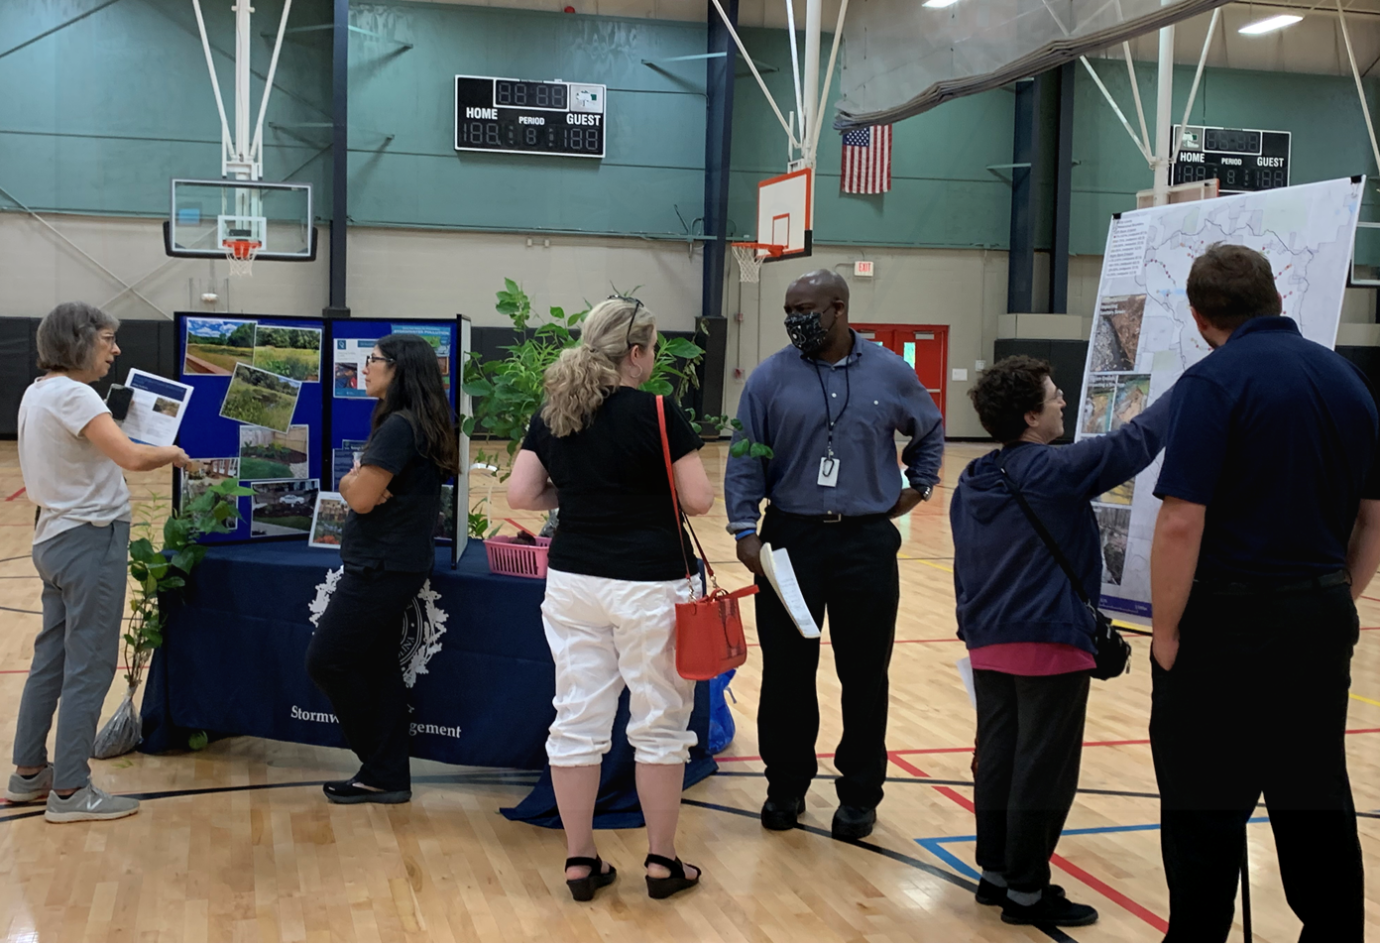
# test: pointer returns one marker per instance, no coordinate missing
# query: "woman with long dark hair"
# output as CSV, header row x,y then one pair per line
x,y
394,494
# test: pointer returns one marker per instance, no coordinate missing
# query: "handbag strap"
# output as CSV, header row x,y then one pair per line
x,y
675,497
1048,540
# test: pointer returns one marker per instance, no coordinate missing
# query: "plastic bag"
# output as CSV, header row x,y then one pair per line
x,y
122,733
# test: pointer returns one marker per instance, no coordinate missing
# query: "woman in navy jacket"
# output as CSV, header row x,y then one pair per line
x,y
1028,634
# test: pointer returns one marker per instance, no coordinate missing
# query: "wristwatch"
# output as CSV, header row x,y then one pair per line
x,y
926,491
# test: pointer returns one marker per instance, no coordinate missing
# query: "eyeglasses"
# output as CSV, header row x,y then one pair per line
x,y
371,359
108,338
627,342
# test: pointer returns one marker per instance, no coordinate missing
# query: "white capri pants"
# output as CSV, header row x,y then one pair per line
x,y
605,633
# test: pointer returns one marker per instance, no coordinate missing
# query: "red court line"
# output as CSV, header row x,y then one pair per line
x,y
15,494
1082,875
1097,885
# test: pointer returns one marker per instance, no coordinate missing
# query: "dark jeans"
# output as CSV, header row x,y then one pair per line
x,y
849,570
353,658
1029,745
1256,703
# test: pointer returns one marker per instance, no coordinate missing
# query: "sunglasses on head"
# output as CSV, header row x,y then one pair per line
x,y
627,342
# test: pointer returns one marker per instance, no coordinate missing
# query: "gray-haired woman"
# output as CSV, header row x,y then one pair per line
x,y
71,452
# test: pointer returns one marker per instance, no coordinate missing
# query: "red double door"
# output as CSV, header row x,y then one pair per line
x,y
925,349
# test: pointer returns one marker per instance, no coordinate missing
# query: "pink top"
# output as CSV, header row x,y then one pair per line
x,y
1032,658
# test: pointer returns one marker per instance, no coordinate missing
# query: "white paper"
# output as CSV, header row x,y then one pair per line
x,y
328,521
965,671
156,408
776,566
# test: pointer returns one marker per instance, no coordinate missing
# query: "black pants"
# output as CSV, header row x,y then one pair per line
x,y
849,570
353,658
1029,745
1256,703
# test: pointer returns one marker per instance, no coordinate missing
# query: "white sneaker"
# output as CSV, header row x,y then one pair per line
x,y
89,803
30,789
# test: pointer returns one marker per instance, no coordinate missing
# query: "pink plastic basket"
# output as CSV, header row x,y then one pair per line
x,y
507,558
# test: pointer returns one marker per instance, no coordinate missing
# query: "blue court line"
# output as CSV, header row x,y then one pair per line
x,y
934,845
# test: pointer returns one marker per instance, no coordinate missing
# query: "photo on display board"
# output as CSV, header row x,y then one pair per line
x,y
438,337
328,520
213,471
1121,495
215,346
1114,524
1096,414
1132,395
1116,333
283,508
256,397
348,366
445,523
267,455
290,352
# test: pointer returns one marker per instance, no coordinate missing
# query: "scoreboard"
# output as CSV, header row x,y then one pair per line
x,y
521,117
1240,159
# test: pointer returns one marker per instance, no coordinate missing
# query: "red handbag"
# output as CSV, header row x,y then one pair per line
x,y
709,630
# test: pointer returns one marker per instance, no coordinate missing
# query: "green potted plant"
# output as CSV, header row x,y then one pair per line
x,y
157,572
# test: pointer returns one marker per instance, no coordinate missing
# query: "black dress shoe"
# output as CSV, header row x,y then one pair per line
x,y
1050,910
853,822
989,893
345,791
780,814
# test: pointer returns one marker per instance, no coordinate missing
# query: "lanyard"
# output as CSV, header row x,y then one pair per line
x,y
834,420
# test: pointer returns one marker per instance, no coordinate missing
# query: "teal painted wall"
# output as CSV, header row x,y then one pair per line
x,y
1329,133
654,151
99,116
941,196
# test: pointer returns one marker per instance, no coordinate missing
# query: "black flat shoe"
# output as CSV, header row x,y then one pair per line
x,y
345,791
780,813
1050,910
853,822
582,890
989,893
675,882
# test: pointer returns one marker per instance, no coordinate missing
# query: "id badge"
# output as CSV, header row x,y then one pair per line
x,y
828,472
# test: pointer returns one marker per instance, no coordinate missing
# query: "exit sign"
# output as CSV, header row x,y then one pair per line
x,y
862,268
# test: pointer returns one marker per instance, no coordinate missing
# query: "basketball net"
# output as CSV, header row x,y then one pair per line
x,y
749,263
240,254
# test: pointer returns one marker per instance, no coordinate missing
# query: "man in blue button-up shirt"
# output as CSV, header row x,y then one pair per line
x,y
829,407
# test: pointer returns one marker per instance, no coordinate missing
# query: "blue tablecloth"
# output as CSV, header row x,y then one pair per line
x,y
232,663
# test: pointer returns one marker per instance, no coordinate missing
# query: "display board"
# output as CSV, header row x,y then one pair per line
x,y
1144,336
279,405
256,417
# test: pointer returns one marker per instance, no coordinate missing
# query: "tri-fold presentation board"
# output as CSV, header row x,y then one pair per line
x,y
279,406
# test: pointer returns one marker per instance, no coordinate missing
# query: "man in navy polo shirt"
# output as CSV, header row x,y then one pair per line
x,y
1269,530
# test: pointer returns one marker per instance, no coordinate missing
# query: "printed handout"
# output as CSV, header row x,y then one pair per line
x,y
328,520
155,409
776,565
349,366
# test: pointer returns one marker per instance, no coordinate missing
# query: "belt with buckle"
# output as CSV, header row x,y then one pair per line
x,y
828,517
1316,584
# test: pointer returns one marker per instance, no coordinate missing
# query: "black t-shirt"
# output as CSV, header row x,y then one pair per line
x,y
616,517
399,533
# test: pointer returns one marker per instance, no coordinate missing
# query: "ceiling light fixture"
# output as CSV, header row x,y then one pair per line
x,y
939,3
1269,24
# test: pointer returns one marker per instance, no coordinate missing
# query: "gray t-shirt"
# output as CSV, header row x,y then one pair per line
x,y
66,475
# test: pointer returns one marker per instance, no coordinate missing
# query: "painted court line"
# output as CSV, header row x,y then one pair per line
x,y
16,494
936,846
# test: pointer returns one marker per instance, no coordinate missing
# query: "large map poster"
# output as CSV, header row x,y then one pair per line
x,y
1144,337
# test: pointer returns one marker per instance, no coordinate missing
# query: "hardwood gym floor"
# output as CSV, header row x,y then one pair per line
x,y
236,842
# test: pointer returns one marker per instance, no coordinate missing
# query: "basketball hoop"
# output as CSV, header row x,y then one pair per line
x,y
241,254
749,257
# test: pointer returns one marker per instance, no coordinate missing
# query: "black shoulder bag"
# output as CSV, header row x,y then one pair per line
x,y
1113,655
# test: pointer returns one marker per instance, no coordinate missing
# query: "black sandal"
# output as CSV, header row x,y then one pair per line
x,y
675,882
583,889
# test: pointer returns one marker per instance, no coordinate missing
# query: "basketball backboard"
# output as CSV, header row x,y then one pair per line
x,y
785,208
208,217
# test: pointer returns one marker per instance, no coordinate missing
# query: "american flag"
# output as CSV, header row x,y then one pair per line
x,y
867,160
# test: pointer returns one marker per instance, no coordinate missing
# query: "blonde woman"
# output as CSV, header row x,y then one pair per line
x,y
617,570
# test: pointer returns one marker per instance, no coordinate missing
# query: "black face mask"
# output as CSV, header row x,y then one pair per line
x,y
807,331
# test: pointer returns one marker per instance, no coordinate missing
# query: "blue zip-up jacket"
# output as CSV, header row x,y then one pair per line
x,y
1007,585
